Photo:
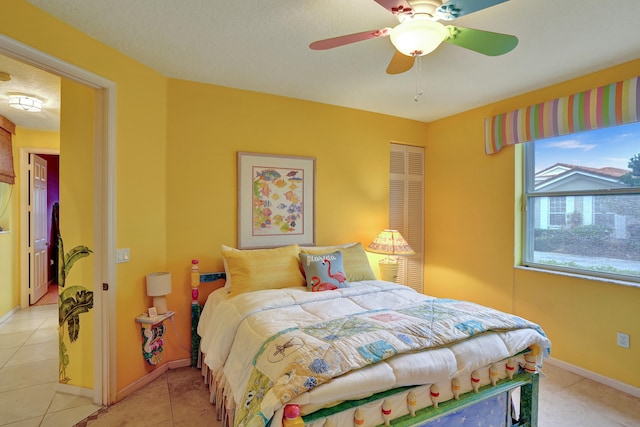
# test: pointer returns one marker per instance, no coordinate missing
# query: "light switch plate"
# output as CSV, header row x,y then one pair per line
x,y
122,255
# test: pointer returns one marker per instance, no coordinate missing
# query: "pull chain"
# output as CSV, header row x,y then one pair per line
x,y
418,69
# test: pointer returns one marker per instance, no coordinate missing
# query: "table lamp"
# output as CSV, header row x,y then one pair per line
x,y
392,244
159,285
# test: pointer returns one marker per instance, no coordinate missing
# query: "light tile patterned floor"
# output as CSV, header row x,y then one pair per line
x,y
28,379
178,398
29,373
569,399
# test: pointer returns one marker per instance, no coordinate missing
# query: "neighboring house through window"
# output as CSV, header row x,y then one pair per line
x,y
582,198
561,211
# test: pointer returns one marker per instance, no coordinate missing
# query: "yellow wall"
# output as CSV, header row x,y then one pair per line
x,y
76,218
470,242
352,159
8,274
141,146
10,242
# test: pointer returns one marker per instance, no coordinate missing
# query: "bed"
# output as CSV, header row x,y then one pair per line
x,y
291,341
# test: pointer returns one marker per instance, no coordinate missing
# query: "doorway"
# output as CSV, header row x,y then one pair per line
x,y
104,210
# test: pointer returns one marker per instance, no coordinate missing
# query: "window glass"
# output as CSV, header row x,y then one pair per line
x,y
582,196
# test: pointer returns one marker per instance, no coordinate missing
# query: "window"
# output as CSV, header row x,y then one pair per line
x,y
582,199
557,212
7,129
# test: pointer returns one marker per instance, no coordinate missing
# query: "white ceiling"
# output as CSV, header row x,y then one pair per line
x,y
29,80
263,46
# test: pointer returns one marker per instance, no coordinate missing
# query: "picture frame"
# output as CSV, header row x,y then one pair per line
x,y
153,312
276,200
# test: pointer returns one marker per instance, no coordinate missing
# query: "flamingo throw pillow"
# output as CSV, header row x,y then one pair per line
x,y
324,272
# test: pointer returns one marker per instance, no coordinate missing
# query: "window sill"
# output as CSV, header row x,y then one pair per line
x,y
579,276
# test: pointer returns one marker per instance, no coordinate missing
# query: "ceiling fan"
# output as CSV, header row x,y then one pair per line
x,y
420,33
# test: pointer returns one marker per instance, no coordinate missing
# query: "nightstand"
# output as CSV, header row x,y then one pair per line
x,y
153,329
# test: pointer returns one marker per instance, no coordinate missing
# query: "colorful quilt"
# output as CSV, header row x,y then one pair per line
x,y
292,345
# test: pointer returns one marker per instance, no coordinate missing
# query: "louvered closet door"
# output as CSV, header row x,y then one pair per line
x,y
406,209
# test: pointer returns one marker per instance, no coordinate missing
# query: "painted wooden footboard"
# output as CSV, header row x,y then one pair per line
x,y
497,392
490,405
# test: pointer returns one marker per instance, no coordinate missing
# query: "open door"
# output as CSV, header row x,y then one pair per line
x,y
38,243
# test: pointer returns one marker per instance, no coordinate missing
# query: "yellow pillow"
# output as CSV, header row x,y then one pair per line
x,y
354,259
257,269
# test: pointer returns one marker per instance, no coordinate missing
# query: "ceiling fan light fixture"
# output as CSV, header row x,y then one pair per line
x,y
25,103
417,37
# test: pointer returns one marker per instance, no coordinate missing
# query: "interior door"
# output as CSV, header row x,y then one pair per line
x,y
38,254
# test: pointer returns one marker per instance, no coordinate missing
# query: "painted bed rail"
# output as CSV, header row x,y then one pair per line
x,y
196,309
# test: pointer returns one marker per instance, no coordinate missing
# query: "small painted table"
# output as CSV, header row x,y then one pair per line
x,y
153,330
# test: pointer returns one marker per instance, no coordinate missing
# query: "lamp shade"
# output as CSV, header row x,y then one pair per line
x,y
158,284
390,242
418,36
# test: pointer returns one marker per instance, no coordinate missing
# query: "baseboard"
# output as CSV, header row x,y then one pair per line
x,y
9,314
148,378
180,363
75,390
618,385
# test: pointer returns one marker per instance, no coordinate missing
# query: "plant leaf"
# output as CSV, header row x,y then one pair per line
x,y
62,274
72,256
74,301
73,325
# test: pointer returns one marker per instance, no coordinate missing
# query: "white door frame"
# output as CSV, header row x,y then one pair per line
x,y
105,378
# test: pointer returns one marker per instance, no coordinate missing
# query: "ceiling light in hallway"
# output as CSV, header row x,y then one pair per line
x,y
25,103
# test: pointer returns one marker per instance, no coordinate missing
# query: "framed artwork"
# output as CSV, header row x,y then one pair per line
x,y
276,200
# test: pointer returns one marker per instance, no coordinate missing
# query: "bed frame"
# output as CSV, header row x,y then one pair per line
x,y
527,380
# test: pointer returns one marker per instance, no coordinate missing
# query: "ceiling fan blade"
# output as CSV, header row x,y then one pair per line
x,y
456,8
485,42
350,38
400,63
395,6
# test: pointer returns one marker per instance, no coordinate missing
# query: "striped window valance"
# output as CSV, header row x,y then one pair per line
x,y
614,104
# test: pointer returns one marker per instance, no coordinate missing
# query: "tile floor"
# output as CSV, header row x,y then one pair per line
x,y
29,373
569,399
28,377
177,398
